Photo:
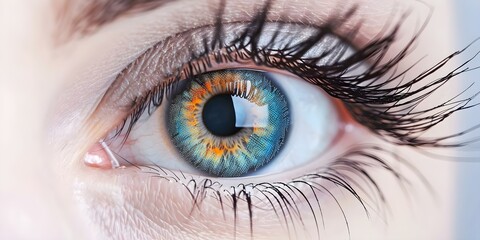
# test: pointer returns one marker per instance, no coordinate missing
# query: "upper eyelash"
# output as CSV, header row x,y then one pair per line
x,y
367,95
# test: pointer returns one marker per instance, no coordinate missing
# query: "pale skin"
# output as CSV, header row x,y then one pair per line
x,y
50,88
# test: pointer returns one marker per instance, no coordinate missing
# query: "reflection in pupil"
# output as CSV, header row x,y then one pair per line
x,y
218,116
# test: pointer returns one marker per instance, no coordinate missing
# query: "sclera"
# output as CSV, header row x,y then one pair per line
x,y
312,111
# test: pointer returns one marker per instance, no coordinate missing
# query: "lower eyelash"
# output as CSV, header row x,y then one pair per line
x,y
349,172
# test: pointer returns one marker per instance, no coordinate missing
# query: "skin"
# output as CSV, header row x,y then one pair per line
x,y
51,86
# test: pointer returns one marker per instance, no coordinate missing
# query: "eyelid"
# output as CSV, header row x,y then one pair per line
x,y
163,60
237,14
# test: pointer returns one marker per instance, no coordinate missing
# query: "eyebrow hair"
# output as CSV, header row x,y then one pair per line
x,y
78,18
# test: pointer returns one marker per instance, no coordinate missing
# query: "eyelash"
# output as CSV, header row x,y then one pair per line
x,y
368,97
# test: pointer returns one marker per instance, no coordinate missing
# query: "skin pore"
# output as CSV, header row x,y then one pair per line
x,y
64,58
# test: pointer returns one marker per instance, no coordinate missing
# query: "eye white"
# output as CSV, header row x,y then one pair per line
x,y
314,126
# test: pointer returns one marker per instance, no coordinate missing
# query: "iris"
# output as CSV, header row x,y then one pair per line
x,y
229,122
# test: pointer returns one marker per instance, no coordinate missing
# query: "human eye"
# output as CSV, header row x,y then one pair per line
x,y
262,122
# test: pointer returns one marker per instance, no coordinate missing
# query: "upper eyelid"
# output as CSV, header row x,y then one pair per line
x,y
129,37
120,93
112,114
176,48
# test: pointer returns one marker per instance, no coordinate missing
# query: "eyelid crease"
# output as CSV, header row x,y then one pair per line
x,y
156,65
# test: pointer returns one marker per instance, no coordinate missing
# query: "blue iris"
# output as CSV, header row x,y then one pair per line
x,y
229,122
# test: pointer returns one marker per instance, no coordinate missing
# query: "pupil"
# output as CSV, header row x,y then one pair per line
x,y
218,116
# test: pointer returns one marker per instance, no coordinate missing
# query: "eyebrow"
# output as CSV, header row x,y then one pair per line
x,y
82,17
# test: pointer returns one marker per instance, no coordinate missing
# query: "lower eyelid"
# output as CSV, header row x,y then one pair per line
x,y
144,199
164,207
